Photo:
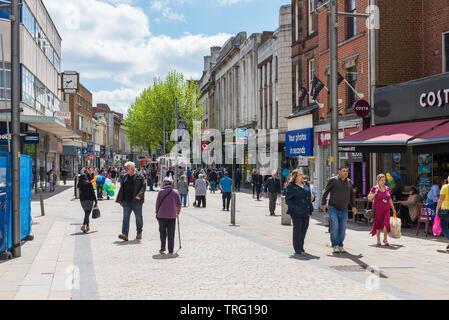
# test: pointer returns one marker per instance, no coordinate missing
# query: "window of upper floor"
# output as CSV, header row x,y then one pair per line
x,y
351,22
446,51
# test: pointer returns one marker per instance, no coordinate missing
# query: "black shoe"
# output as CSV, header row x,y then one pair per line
x,y
227,209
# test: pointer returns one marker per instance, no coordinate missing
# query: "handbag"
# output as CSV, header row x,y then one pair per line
x,y
436,226
96,212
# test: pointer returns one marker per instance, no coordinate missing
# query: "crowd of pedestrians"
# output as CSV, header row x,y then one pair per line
x,y
337,200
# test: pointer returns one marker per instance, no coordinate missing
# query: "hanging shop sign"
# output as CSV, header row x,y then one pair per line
x,y
361,108
299,143
28,138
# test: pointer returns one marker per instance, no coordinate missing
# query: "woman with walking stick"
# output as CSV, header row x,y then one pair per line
x,y
168,207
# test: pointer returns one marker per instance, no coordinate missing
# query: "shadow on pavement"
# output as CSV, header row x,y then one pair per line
x,y
304,257
46,194
125,243
443,251
355,259
82,233
390,247
165,256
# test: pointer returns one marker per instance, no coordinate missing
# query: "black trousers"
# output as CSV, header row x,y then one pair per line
x,y
254,189
199,200
300,226
258,187
226,200
167,232
86,217
237,185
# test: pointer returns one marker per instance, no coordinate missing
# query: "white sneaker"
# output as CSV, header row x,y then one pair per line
x,y
336,250
342,250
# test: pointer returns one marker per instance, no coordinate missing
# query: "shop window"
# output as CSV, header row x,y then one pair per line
x,y
446,52
5,81
351,76
351,22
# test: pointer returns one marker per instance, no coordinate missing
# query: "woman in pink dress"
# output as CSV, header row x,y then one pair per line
x,y
381,205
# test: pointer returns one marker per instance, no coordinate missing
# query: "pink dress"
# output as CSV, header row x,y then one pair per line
x,y
381,205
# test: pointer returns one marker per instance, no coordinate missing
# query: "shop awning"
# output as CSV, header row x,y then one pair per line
x,y
48,124
387,138
434,141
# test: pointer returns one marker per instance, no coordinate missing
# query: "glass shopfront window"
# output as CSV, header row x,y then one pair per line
x,y
5,81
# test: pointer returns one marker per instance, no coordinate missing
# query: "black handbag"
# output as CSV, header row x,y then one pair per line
x,y
96,212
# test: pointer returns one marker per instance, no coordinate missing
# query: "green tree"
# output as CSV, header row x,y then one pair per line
x,y
144,121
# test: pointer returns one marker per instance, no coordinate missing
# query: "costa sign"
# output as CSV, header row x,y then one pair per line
x,y
361,108
434,98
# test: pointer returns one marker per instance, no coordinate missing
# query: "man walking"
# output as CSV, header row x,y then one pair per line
x,y
341,195
258,183
64,174
131,197
213,181
226,189
273,187
238,179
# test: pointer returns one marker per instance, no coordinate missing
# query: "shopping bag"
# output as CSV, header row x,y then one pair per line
x,y
96,212
436,226
395,225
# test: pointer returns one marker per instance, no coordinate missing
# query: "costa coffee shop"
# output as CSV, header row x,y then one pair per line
x,y
411,132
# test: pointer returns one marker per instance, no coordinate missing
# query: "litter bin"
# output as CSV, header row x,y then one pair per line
x,y
5,199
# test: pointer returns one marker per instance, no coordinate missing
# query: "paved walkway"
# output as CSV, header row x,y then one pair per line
x,y
217,261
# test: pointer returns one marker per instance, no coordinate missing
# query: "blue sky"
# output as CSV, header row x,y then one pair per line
x,y
119,46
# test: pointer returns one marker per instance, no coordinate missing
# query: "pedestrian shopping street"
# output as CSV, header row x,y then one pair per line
x,y
252,260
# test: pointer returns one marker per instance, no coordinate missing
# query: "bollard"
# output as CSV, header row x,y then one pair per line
x,y
286,220
233,198
41,198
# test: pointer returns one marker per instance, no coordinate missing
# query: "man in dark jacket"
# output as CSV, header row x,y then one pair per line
x,y
272,186
131,197
341,195
213,181
238,179
259,182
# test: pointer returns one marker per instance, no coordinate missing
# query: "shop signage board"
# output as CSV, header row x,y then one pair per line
x,y
90,148
299,143
324,138
241,135
361,108
64,116
396,157
28,138
102,151
414,100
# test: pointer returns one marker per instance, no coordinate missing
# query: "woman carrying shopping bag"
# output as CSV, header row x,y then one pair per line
x,y
380,194
443,211
87,199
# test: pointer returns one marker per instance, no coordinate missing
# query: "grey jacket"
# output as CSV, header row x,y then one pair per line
x,y
201,187
183,187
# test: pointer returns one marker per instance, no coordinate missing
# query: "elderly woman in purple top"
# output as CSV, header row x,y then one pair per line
x,y
168,207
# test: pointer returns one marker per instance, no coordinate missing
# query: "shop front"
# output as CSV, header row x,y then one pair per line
x,y
357,162
411,135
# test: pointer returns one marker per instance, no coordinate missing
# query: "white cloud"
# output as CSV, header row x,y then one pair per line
x,y
164,7
108,40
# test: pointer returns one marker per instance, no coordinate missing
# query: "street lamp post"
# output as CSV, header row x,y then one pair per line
x,y
176,144
15,126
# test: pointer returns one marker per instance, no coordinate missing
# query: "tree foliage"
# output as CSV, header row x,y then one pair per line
x,y
144,121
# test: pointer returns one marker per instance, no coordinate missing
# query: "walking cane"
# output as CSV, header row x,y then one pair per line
x,y
179,234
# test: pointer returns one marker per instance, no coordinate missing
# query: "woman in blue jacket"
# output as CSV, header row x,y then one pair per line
x,y
299,201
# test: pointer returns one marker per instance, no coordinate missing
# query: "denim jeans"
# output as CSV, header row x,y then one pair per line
x,y
444,226
128,207
100,190
300,226
213,186
183,199
337,223
151,184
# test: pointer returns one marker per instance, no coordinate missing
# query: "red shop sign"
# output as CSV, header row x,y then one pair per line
x,y
324,138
